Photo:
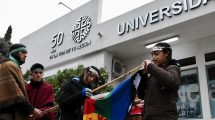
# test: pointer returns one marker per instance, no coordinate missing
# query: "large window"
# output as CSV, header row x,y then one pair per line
x,y
211,87
189,102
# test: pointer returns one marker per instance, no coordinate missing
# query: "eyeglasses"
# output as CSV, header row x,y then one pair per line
x,y
38,72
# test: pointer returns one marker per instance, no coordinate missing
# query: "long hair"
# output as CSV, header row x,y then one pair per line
x,y
87,70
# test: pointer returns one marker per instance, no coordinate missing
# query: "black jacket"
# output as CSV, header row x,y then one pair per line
x,y
160,91
71,101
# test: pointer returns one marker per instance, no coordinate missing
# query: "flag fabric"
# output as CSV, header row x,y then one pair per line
x,y
115,105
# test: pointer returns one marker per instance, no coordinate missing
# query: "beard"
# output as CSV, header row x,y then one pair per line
x,y
16,56
21,62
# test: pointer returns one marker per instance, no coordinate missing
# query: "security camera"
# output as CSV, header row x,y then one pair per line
x,y
99,34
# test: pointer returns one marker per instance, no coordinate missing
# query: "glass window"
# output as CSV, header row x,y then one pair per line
x,y
187,61
210,56
211,87
189,102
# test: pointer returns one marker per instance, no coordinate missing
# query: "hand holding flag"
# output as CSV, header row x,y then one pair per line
x,y
115,105
86,92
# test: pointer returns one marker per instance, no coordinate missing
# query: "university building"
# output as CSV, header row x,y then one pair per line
x,y
120,44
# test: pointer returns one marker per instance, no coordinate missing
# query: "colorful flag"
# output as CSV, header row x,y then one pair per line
x,y
115,105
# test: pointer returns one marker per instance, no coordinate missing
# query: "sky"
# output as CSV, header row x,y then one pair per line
x,y
27,16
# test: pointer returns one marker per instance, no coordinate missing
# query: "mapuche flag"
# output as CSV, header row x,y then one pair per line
x,y
115,105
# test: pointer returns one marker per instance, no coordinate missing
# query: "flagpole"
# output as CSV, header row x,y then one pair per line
x,y
118,78
52,109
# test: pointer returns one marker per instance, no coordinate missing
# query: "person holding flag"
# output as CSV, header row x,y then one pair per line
x,y
159,84
74,92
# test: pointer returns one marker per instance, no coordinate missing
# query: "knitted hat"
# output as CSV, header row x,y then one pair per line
x,y
37,65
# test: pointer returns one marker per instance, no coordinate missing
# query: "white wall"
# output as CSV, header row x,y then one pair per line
x,y
39,42
99,59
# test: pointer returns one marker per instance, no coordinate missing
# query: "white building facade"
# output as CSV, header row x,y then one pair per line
x,y
119,45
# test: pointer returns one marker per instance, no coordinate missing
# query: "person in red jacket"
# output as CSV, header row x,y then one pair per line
x,y
40,93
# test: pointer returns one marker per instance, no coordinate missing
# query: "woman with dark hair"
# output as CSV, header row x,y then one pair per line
x,y
74,92
159,88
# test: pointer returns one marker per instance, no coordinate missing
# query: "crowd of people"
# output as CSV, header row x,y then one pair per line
x,y
20,101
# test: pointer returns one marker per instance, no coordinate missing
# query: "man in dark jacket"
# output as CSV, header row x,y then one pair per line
x,y
73,94
159,84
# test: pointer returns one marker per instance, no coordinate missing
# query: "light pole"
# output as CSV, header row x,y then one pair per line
x,y
64,5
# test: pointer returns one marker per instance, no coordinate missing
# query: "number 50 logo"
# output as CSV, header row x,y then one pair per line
x,y
57,39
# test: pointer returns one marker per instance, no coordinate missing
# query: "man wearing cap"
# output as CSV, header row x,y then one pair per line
x,y
73,93
40,93
14,104
159,84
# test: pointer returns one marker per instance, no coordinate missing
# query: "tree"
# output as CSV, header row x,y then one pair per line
x,y
27,76
5,43
7,36
3,48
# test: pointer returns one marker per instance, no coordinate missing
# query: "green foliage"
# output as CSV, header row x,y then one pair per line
x,y
103,80
62,76
27,75
7,35
5,43
3,48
